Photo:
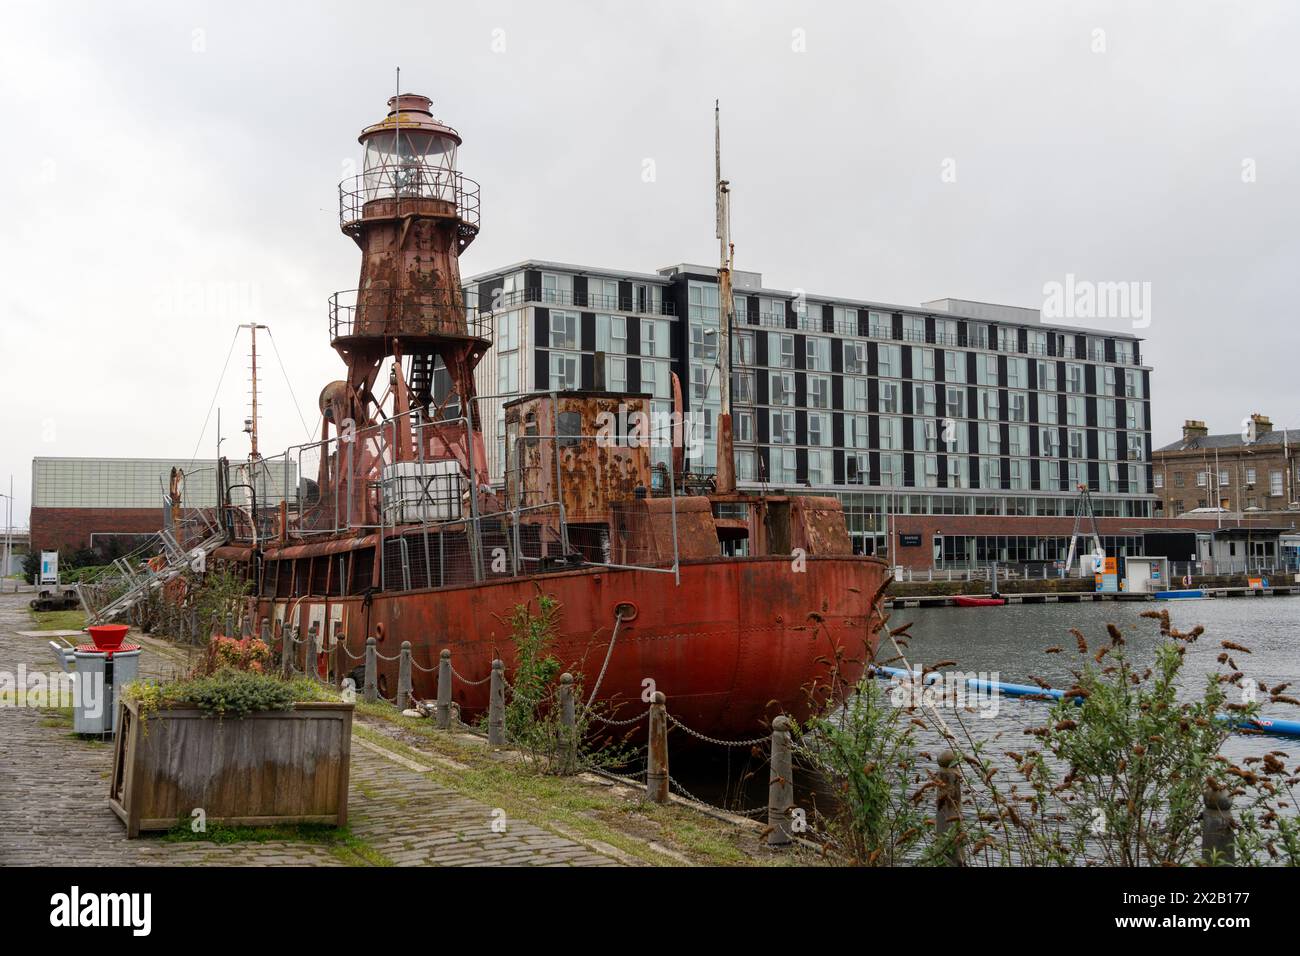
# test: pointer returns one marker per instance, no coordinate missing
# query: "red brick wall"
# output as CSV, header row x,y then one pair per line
x,y
58,528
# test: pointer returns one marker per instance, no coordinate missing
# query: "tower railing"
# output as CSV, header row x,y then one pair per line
x,y
396,185
383,312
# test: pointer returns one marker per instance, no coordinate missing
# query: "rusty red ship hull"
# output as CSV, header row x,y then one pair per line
x,y
736,642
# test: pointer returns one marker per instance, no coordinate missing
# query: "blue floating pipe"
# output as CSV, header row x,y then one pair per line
x,y
1265,725
1189,594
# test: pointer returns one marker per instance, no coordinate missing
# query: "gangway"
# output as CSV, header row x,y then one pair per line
x,y
1083,508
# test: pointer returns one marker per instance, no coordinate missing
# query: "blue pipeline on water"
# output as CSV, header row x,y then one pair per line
x,y
1266,725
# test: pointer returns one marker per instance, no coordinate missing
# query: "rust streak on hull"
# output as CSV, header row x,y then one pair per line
x,y
738,642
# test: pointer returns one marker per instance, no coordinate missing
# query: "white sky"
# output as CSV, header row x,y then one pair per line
x,y
170,170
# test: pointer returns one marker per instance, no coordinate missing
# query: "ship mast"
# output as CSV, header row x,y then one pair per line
x,y
253,454
726,470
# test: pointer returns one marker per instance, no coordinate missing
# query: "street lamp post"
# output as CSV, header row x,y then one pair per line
x,y
9,529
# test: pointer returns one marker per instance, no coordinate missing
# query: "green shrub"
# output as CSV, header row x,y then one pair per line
x,y
227,693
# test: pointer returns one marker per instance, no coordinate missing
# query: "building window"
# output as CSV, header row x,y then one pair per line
x,y
507,373
1076,443
744,422
891,433
858,434
887,359
817,353
954,367
1074,379
955,402
783,428
564,330
819,467
564,371
742,386
888,397
654,338
745,459
855,358
819,391
817,429
780,350
557,288
926,364
860,394
784,466
1160,480
782,388
742,349
1202,479
925,402
654,378
616,375
704,343
1250,477
700,382
1275,484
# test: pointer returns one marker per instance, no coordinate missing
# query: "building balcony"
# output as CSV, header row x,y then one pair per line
x,y
579,300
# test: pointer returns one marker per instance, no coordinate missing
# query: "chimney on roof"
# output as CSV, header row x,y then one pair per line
x,y
1263,424
1193,429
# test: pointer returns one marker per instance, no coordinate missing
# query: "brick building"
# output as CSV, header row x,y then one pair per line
x,y
110,504
1255,470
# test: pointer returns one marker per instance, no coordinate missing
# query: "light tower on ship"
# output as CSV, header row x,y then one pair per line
x,y
412,213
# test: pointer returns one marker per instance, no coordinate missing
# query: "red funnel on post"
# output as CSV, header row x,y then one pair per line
x,y
108,637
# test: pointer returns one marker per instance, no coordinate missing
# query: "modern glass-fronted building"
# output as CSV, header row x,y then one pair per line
x,y
948,408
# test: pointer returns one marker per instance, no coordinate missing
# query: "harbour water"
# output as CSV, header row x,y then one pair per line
x,y
1010,643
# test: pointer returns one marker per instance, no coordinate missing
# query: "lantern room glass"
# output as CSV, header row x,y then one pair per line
x,y
412,163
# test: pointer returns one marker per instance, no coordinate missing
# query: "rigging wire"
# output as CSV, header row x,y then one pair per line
x,y
296,407
215,392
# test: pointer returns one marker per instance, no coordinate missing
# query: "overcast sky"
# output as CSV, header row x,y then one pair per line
x,y
170,170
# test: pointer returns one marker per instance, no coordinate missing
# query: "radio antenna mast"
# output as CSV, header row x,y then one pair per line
x,y
726,471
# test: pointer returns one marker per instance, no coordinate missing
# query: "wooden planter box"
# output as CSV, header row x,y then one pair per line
x,y
270,767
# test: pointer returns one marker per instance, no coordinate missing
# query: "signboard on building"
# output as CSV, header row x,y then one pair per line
x,y
909,540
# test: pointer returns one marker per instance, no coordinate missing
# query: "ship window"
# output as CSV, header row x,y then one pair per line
x,y
570,428
363,563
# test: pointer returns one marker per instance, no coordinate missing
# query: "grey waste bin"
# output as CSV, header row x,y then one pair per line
x,y
108,672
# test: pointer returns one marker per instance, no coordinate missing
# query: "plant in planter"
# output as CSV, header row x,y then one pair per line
x,y
277,751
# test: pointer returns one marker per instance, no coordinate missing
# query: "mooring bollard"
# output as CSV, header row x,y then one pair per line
x,y
568,726
1216,827
309,651
497,705
266,631
404,677
948,812
372,675
286,651
780,786
656,771
230,626
443,719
